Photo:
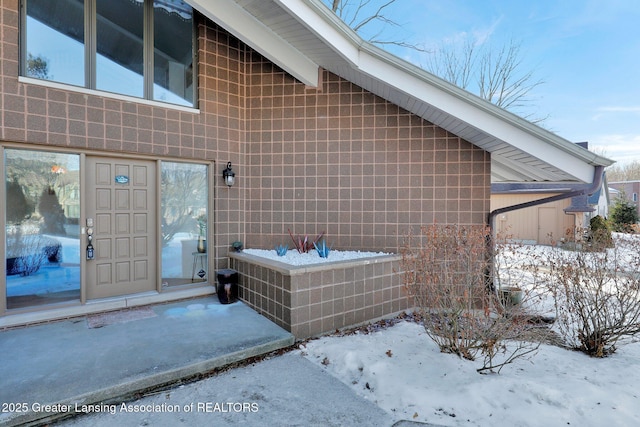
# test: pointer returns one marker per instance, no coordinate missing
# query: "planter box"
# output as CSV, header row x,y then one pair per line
x,y
316,299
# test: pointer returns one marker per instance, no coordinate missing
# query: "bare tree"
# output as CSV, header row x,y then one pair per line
x,y
496,75
371,20
456,65
624,172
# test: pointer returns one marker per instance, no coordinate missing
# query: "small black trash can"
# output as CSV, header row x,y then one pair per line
x,y
227,288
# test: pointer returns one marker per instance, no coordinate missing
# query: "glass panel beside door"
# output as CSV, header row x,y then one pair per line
x,y
184,223
42,213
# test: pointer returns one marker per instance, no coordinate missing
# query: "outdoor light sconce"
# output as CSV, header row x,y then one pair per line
x,y
229,175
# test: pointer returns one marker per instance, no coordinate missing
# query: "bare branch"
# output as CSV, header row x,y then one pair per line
x,y
624,172
495,75
363,15
377,15
444,271
454,65
597,294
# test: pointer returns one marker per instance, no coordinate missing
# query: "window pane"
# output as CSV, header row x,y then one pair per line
x,y
173,52
120,60
184,222
55,41
42,227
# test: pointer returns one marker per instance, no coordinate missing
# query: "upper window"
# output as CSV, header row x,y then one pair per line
x,y
141,48
55,41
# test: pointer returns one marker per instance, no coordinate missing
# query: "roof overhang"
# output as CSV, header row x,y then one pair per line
x,y
238,21
300,36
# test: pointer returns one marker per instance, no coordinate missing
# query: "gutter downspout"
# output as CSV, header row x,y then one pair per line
x,y
588,190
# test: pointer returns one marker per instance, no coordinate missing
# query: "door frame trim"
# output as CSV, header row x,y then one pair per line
x,y
3,236
83,229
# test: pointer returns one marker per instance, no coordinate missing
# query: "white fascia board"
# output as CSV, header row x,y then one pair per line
x,y
489,119
247,28
326,26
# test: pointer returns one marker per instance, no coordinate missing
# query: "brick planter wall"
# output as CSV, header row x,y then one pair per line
x,y
316,299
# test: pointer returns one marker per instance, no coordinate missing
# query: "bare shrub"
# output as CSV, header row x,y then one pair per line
x,y
597,293
28,252
447,270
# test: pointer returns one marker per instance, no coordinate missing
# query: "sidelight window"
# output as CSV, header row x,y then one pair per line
x,y
42,241
185,221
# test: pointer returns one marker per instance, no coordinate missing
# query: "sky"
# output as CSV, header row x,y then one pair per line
x,y
587,52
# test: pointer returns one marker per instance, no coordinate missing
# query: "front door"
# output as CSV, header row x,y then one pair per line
x,y
121,202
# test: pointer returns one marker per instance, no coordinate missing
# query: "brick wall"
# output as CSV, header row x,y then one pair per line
x,y
342,160
335,159
309,301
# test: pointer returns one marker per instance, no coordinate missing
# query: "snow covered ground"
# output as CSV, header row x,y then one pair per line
x,y
402,371
293,257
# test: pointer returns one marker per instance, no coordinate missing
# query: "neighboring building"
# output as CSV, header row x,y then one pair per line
x,y
545,223
600,200
628,189
613,193
118,118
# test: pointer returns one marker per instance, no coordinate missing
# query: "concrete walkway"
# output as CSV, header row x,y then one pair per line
x,y
112,369
287,390
47,369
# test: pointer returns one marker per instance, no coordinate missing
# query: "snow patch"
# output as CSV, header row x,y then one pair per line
x,y
293,257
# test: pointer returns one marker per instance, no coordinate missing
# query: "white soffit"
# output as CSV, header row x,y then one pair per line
x,y
235,19
300,35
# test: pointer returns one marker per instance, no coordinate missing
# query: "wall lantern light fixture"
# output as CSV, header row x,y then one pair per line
x,y
229,175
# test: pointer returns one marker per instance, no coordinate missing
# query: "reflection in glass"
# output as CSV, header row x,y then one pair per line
x,y
120,55
55,41
173,52
184,223
42,227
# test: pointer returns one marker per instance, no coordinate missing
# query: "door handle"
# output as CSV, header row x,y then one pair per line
x,y
90,249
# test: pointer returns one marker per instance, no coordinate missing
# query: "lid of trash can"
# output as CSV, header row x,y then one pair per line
x,y
226,272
